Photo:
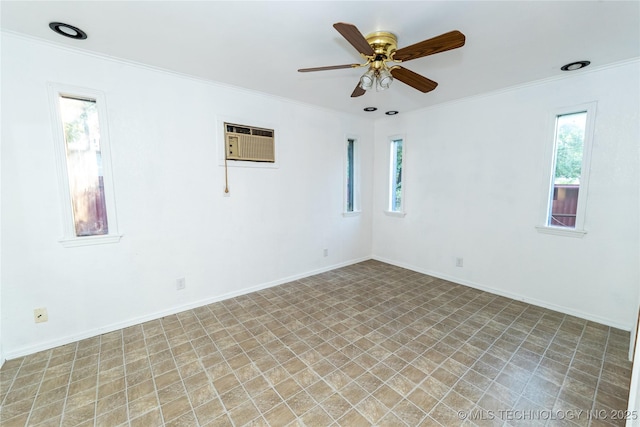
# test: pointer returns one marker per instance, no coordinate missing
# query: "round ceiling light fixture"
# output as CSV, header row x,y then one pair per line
x,y
370,109
575,65
68,30
391,113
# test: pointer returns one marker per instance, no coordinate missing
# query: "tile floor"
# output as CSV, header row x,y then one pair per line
x,y
368,344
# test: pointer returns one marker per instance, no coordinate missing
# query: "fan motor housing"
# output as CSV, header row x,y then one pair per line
x,y
383,42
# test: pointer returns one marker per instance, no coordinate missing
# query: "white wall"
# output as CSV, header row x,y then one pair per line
x,y
473,189
169,195
2,358
474,184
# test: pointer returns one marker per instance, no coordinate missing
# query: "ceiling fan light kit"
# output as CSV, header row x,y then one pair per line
x,y
367,80
381,48
383,45
383,79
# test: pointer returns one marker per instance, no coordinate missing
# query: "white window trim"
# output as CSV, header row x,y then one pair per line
x,y
403,211
356,177
560,231
395,214
69,238
549,171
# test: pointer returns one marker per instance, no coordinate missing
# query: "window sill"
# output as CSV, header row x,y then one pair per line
x,y
90,240
352,213
558,231
395,214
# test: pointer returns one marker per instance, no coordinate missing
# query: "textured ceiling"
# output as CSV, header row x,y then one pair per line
x,y
260,45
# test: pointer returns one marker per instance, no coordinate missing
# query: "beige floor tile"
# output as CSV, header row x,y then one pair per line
x,y
365,344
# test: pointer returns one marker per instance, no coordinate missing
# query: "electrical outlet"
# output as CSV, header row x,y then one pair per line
x,y
181,283
459,262
40,315
325,252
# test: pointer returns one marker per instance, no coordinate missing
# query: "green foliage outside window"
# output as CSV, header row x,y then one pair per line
x,y
569,149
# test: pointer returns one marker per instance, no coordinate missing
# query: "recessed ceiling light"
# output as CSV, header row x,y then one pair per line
x,y
575,65
369,109
391,113
68,30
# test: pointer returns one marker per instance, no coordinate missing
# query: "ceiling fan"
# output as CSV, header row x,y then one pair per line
x,y
380,47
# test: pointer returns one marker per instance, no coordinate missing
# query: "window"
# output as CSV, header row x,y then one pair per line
x,y
83,160
396,190
84,165
566,194
352,202
569,150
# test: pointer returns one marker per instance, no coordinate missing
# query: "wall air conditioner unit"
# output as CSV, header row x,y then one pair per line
x,y
249,143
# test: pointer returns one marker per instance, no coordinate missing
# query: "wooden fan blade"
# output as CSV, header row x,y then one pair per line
x,y
447,41
355,37
412,79
330,67
358,91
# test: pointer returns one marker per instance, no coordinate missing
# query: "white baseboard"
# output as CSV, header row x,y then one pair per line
x,y
24,351
533,301
173,310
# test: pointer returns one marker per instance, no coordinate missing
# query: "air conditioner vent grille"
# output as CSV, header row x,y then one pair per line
x,y
249,143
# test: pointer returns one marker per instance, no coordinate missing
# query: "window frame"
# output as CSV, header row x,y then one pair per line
x,y
356,177
401,212
70,239
590,108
